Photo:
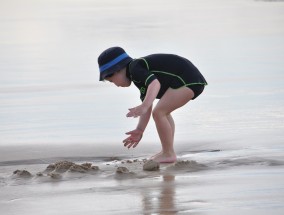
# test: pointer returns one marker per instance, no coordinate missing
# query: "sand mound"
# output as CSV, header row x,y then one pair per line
x,y
186,165
59,167
83,168
55,170
122,170
151,165
22,174
64,166
124,173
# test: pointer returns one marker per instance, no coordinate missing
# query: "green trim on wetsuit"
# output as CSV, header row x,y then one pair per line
x,y
148,78
185,84
145,62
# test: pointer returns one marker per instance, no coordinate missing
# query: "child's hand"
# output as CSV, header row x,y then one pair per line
x,y
136,111
133,140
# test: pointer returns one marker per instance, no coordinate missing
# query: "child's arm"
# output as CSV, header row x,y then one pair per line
x,y
136,134
144,111
144,119
152,92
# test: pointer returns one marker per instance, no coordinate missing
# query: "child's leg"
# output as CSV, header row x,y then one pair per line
x,y
172,124
171,100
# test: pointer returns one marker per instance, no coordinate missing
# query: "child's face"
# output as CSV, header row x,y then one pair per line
x,y
119,79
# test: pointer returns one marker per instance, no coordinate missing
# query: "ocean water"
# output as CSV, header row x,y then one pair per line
x,y
50,94
49,88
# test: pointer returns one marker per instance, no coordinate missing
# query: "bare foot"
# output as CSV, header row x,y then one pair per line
x,y
154,156
164,157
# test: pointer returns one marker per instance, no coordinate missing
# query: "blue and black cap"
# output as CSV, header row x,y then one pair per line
x,y
112,60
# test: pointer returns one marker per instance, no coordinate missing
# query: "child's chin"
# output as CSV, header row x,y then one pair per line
x,y
126,84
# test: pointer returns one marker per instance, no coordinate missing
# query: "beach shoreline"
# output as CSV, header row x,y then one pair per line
x,y
204,182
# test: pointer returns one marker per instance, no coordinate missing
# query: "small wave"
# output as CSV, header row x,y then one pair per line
x,y
55,159
249,162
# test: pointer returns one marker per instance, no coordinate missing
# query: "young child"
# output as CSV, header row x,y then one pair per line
x,y
171,78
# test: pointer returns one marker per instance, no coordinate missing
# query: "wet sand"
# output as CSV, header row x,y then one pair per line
x,y
203,182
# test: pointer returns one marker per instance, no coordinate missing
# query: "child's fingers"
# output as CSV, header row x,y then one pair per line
x,y
133,144
133,112
128,144
129,132
127,140
130,140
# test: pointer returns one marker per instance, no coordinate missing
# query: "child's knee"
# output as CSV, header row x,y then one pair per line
x,y
157,114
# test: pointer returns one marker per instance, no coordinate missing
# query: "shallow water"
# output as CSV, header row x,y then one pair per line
x,y
220,182
52,105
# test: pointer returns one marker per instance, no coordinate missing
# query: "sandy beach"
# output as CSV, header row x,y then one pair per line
x,y
201,182
61,130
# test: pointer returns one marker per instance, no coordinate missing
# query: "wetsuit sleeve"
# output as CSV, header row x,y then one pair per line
x,y
140,73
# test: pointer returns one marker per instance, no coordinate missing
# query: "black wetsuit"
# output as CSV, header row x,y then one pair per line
x,y
172,71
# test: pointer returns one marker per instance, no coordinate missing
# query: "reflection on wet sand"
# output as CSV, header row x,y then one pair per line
x,y
160,199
